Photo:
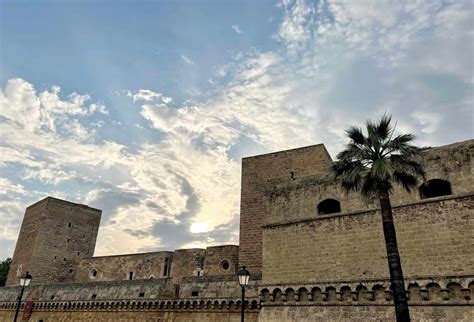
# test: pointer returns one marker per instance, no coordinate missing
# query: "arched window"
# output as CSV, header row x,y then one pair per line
x,y
329,206
435,188
165,269
130,276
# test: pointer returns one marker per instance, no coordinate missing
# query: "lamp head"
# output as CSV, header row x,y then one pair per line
x,y
25,279
244,276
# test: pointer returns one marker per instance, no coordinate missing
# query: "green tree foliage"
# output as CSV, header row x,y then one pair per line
x,y
370,164
4,268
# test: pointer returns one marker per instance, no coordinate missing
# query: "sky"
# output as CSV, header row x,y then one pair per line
x,y
144,109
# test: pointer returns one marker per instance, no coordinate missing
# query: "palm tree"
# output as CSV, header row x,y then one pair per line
x,y
369,165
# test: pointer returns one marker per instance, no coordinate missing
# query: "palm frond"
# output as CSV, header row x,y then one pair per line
x,y
383,128
370,163
356,135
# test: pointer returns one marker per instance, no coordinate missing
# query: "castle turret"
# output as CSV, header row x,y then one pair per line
x,y
55,235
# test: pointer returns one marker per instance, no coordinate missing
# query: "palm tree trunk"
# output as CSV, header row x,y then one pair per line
x,y
394,265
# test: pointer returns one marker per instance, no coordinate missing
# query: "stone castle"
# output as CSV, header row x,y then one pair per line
x,y
315,253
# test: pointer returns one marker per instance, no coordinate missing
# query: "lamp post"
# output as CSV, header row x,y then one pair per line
x,y
244,277
25,280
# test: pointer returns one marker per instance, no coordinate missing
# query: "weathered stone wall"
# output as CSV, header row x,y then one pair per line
x,y
136,315
256,172
298,199
436,237
113,268
54,237
430,299
223,286
187,262
364,313
221,260
130,290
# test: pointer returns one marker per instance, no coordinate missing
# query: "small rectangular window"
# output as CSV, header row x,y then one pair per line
x,y
64,259
78,253
52,297
69,225
68,240
142,294
194,293
71,270
94,296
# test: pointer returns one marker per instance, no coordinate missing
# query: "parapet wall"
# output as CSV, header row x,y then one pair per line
x,y
298,198
435,237
124,267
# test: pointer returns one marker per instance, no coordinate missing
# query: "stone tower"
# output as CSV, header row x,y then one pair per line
x,y
257,171
55,235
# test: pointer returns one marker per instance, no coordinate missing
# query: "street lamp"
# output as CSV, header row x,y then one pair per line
x,y
25,280
244,277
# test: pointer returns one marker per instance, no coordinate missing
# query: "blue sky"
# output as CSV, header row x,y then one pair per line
x,y
145,108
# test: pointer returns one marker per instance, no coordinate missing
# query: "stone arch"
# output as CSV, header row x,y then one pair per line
x,y
223,304
265,295
303,294
379,293
209,304
414,292
316,294
290,295
434,292
435,188
277,295
231,305
346,293
329,206
455,291
254,305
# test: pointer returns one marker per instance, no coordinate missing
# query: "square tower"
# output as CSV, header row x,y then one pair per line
x,y
257,172
55,235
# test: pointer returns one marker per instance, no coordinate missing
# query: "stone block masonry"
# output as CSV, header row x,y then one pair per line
x,y
54,237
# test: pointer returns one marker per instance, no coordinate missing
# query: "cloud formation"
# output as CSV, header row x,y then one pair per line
x,y
337,63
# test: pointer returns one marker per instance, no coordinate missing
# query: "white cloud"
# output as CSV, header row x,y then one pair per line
x,y
143,95
187,60
339,63
237,29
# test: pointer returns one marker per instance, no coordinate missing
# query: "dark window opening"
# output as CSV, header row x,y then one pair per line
x,y
68,240
435,188
69,225
142,294
224,265
78,253
195,293
292,174
64,259
198,273
329,206
130,276
94,296
55,257
52,297
71,270
165,270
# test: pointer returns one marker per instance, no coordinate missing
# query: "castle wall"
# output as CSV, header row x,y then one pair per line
x,y
187,262
221,260
298,199
115,268
363,313
435,237
256,172
54,237
136,315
